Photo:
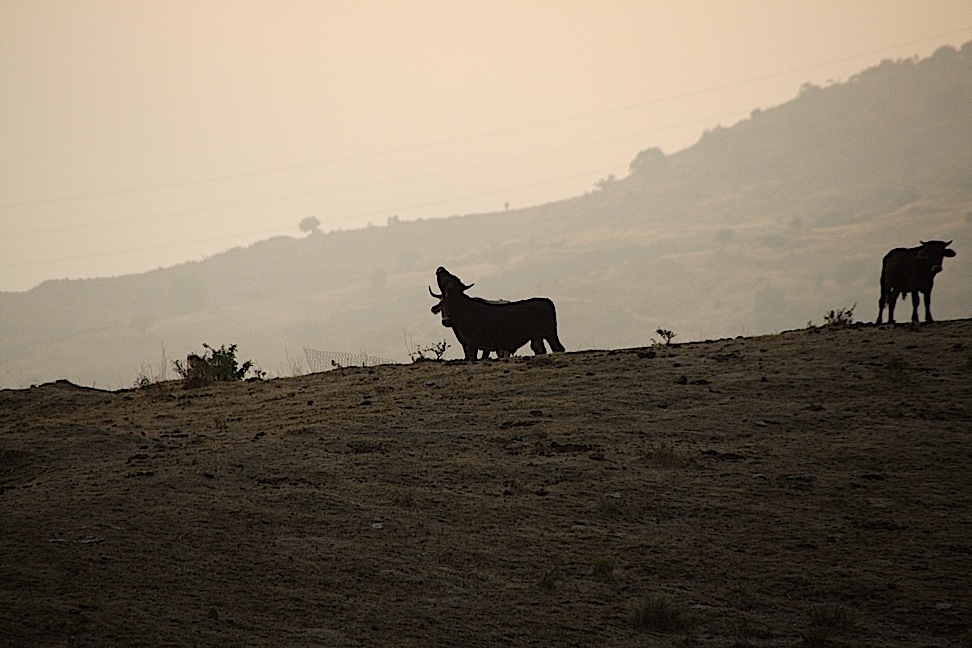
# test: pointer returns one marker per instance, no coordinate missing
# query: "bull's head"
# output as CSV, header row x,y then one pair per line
x,y
935,252
447,280
448,284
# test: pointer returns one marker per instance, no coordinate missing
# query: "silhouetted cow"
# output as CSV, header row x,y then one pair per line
x,y
911,270
479,324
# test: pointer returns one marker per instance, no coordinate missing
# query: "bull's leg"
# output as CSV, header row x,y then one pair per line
x,y
472,353
914,305
928,317
891,300
880,318
537,345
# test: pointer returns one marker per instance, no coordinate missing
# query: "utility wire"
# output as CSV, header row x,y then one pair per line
x,y
471,138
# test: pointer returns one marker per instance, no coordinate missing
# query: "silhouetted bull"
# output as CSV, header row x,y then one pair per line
x,y
447,278
911,270
479,324
500,353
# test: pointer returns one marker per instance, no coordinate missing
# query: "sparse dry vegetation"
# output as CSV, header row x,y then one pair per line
x,y
666,336
840,317
787,494
433,352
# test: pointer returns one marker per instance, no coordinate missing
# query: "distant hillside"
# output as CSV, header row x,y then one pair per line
x,y
758,227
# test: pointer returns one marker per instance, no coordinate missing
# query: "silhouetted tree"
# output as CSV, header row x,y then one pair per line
x,y
311,225
649,162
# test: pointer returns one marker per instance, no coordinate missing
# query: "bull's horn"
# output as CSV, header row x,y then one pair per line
x,y
433,294
923,242
465,287
949,243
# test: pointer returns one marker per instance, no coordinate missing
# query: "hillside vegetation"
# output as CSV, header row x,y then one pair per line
x,y
809,488
759,227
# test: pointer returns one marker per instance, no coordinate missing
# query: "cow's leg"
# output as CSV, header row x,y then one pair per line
x,y
915,295
891,300
537,345
928,317
880,308
471,352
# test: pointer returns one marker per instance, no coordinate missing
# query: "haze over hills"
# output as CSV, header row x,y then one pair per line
x,y
759,227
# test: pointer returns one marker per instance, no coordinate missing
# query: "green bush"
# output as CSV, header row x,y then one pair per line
x,y
214,365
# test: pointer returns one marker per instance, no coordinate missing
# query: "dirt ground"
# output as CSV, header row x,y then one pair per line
x,y
808,488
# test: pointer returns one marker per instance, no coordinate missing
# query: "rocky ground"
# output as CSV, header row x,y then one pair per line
x,y
808,488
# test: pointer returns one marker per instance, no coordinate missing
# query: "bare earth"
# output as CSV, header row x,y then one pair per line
x,y
808,488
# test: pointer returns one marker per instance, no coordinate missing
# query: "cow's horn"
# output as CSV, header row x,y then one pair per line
x,y
923,242
465,287
433,294
949,243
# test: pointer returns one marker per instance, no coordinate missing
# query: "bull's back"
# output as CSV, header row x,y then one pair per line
x,y
901,270
521,320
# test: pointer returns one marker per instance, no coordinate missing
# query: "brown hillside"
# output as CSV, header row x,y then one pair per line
x,y
806,487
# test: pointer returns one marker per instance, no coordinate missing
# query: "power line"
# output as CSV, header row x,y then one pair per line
x,y
281,230
375,183
470,138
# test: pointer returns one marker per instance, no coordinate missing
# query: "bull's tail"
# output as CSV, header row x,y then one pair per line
x,y
552,338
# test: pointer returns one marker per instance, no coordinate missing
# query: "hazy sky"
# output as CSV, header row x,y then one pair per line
x,y
135,135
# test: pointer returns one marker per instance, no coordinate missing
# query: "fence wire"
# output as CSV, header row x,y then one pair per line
x,y
326,360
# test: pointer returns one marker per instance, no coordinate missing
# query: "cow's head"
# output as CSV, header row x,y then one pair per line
x,y
449,284
934,252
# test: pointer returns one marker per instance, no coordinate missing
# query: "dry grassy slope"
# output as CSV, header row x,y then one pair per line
x,y
787,482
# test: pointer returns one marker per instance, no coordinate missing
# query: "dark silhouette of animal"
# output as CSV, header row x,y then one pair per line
x,y
500,353
480,324
447,278
911,270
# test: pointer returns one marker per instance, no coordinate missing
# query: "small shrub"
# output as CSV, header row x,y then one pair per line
x,y
665,335
840,317
144,379
148,377
214,365
659,613
429,353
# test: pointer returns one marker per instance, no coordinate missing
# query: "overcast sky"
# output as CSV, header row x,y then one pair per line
x,y
135,135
